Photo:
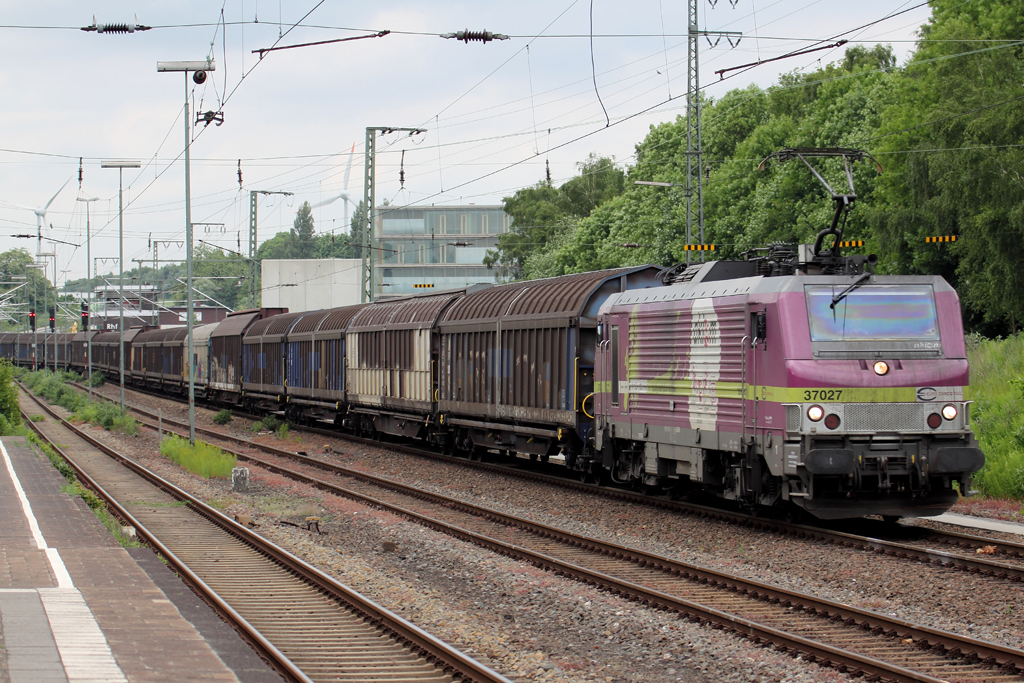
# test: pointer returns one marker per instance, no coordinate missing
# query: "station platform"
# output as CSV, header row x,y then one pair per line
x,y
980,523
77,606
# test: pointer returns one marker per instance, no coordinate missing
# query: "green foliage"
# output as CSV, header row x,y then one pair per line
x,y
53,387
270,423
37,418
107,415
37,289
302,232
284,434
202,459
99,508
97,379
223,417
542,214
218,274
946,127
10,409
997,415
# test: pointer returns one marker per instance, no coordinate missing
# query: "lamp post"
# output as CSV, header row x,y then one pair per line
x,y
88,279
689,239
120,166
198,69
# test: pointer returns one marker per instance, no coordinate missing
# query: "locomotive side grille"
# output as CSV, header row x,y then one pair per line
x,y
792,418
885,417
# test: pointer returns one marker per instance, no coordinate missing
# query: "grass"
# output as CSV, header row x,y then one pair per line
x,y
223,417
96,379
99,508
997,415
37,418
202,459
108,416
53,387
270,423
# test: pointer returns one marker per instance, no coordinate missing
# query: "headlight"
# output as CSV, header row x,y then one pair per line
x,y
949,411
815,413
881,367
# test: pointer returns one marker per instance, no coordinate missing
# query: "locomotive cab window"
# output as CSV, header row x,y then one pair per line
x,y
872,312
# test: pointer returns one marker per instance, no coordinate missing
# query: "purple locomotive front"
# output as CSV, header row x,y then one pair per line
x,y
839,395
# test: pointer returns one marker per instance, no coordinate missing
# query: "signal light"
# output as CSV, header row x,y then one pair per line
x,y
53,321
85,316
32,319
934,420
832,421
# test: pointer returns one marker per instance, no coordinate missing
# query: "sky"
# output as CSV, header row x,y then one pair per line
x,y
493,113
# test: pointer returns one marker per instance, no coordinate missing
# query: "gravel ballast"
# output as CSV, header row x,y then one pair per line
x,y
532,625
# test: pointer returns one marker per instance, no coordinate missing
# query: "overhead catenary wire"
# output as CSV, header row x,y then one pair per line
x,y
457,143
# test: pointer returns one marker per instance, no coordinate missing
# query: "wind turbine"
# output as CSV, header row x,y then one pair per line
x,y
343,195
41,216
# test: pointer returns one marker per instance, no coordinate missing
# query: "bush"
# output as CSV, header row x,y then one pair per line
x,y
202,459
270,423
52,387
108,416
223,417
97,379
9,406
997,416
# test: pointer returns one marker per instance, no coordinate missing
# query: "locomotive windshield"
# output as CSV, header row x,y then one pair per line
x,y
872,312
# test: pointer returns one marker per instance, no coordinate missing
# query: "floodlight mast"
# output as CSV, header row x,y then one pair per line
x,y
199,69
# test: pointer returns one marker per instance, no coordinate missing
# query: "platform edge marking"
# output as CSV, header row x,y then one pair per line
x,y
83,647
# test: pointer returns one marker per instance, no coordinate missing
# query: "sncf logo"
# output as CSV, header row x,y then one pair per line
x,y
704,331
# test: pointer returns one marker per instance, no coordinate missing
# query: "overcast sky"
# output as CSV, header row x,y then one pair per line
x,y
493,113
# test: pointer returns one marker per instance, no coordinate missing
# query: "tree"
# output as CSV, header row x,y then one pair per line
x,y
14,267
542,213
277,247
303,233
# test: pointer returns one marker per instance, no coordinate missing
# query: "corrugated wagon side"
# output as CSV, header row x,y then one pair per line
x,y
79,349
316,363
225,353
264,359
517,361
392,375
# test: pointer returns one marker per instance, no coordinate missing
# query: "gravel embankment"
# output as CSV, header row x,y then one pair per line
x,y
516,616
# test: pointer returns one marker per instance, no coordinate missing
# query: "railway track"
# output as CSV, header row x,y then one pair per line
x,y
305,624
970,553
853,640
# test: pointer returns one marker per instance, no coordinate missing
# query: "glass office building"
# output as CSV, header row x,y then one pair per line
x,y
443,246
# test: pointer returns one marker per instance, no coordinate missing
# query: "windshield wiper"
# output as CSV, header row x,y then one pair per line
x,y
842,295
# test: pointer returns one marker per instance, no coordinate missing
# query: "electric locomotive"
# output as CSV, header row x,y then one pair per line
x,y
796,376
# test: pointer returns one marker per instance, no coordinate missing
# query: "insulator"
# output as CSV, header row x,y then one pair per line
x,y
115,28
476,36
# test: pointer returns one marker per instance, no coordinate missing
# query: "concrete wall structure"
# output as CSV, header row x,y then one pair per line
x,y
310,284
